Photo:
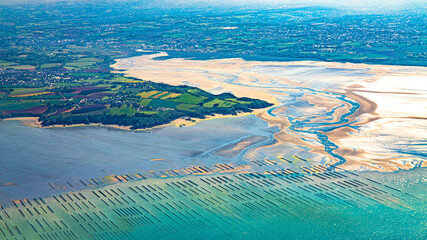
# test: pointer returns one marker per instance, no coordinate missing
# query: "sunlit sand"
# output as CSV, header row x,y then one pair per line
x,y
372,116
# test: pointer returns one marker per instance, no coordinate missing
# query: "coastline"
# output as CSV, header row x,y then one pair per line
x,y
180,122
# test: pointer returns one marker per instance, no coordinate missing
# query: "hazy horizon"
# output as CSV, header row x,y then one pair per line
x,y
376,5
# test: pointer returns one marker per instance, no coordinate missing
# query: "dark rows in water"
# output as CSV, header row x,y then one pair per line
x,y
130,177
171,205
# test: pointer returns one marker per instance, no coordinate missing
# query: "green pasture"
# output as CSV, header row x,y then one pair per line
x,y
17,105
189,99
122,111
219,103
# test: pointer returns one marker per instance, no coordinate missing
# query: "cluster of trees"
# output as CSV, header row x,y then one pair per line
x,y
141,120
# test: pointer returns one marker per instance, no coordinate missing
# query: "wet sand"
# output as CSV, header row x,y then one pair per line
x,y
332,113
26,121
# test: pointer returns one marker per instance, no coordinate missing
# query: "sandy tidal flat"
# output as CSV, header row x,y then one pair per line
x,y
362,117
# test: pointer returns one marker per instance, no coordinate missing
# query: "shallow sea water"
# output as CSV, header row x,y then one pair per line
x,y
277,204
32,157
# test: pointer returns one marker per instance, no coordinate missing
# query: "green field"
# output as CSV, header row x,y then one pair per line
x,y
186,107
122,111
9,105
189,99
28,90
156,103
218,103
